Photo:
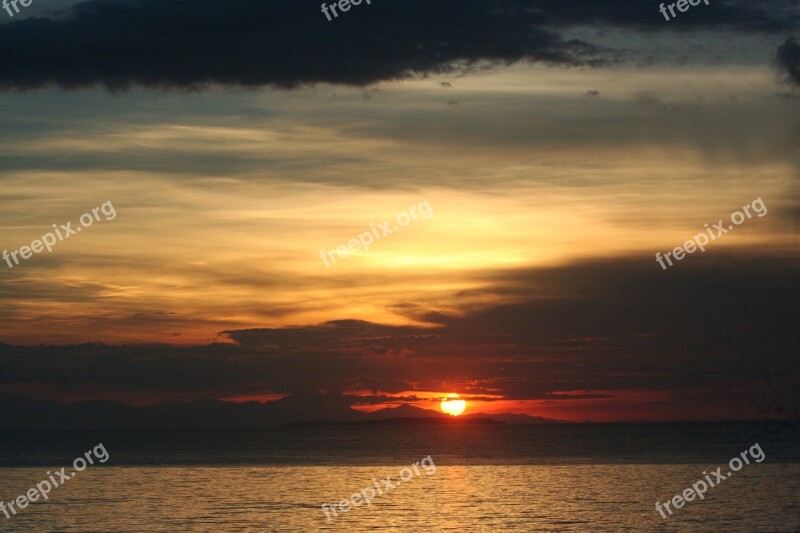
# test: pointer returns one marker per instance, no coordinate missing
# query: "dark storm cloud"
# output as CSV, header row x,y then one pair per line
x,y
789,60
723,327
334,335
190,43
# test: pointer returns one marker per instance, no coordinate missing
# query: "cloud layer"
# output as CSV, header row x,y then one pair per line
x,y
192,43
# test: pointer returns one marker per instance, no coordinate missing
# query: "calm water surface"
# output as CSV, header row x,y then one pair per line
x,y
564,490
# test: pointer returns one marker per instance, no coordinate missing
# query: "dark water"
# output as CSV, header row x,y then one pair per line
x,y
663,443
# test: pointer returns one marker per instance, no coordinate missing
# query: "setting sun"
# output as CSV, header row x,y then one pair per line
x,y
453,405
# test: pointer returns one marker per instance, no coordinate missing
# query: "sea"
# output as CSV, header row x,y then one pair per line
x,y
464,478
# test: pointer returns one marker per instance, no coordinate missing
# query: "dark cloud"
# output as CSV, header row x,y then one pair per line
x,y
770,16
191,43
789,59
724,329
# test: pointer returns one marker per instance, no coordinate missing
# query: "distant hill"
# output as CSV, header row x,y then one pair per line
x,y
409,411
427,420
25,414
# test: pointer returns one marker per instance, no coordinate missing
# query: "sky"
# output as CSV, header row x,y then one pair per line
x,y
549,148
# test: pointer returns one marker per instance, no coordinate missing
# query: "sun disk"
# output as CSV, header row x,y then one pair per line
x,y
453,405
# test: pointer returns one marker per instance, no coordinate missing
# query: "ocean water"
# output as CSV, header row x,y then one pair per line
x,y
538,478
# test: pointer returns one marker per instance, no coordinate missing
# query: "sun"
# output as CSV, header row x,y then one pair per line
x,y
453,405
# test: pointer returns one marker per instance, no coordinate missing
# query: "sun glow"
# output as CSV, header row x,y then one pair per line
x,y
453,405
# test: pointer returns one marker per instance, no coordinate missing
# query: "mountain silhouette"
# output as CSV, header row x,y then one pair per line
x,y
25,414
